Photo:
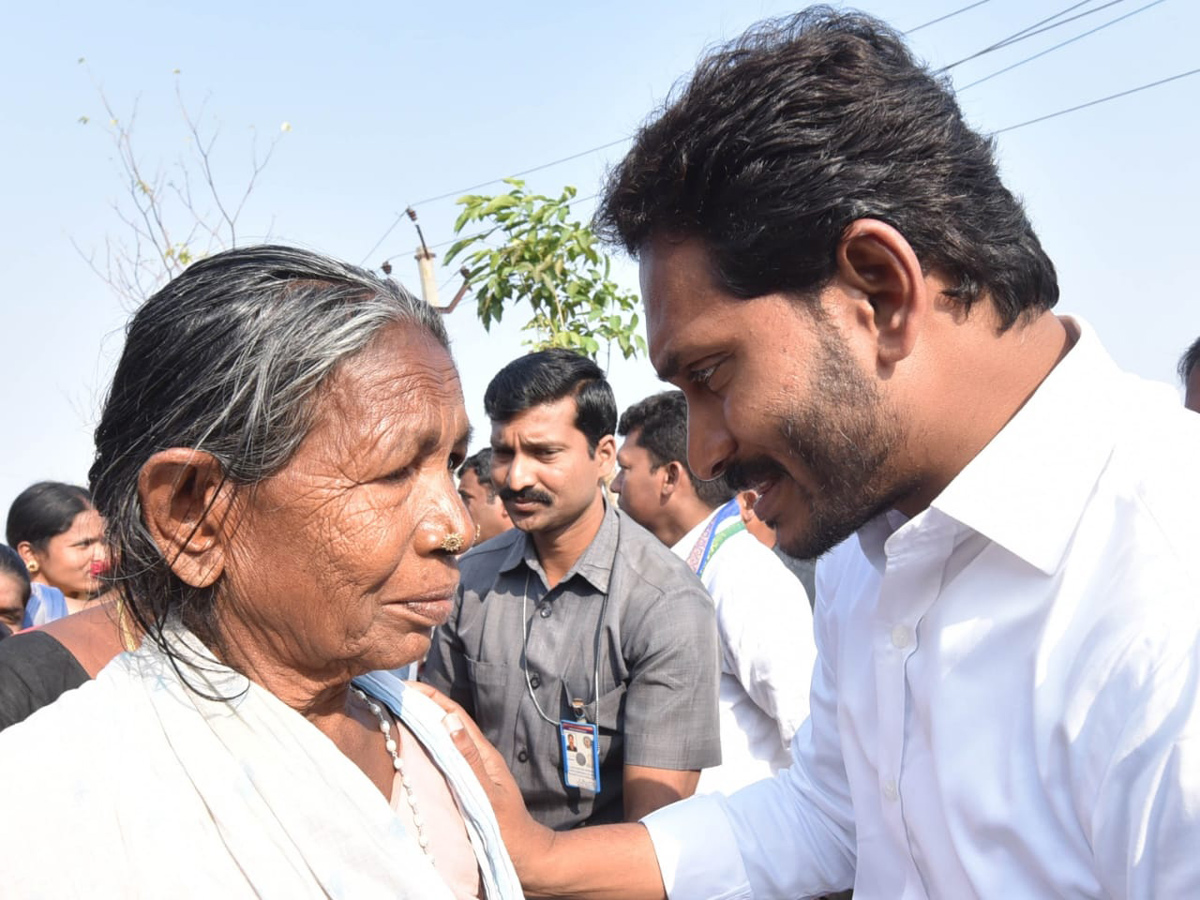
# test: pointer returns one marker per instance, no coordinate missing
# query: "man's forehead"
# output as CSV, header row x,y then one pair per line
x,y
543,422
677,286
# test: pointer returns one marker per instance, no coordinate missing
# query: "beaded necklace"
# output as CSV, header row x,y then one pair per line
x,y
385,726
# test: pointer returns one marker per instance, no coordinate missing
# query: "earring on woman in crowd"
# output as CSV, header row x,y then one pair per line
x,y
32,566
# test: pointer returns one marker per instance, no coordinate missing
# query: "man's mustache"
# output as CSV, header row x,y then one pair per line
x,y
527,495
745,475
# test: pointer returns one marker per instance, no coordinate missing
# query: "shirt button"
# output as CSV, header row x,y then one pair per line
x,y
901,637
890,792
545,613
534,681
522,756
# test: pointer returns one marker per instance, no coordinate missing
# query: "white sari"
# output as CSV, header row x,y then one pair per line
x,y
135,786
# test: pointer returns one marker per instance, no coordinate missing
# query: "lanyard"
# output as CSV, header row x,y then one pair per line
x,y
527,621
715,535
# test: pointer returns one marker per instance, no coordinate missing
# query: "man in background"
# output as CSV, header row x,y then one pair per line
x,y
480,497
1189,373
578,627
763,619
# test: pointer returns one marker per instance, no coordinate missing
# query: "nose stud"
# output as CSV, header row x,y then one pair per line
x,y
454,542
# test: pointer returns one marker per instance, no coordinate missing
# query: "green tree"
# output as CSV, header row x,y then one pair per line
x,y
549,261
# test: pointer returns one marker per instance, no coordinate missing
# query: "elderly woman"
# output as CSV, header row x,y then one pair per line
x,y
274,462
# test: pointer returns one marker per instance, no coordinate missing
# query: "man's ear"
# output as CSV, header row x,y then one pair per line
x,y
187,503
874,259
746,501
606,455
673,475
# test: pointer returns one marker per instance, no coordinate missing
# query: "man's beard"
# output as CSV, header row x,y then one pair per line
x,y
845,438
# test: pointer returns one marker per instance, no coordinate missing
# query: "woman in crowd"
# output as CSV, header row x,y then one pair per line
x,y
274,462
60,536
14,590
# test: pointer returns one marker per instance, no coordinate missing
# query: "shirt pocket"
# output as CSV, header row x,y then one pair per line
x,y
608,714
489,689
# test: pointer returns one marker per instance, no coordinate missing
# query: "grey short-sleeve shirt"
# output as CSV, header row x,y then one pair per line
x,y
658,670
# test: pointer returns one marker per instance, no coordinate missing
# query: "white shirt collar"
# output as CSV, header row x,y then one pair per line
x,y
1068,417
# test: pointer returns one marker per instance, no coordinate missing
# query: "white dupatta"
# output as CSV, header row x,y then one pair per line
x,y
135,786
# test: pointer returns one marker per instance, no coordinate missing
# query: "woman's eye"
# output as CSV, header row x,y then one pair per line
x,y
398,475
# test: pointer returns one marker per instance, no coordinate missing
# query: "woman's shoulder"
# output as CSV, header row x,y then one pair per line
x,y
35,670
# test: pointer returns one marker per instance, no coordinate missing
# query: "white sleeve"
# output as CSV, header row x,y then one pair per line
x,y
785,837
766,632
1138,787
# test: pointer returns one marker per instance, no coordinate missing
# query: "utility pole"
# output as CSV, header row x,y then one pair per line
x,y
425,258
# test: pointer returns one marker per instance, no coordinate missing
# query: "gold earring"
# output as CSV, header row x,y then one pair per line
x,y
32,566
454,543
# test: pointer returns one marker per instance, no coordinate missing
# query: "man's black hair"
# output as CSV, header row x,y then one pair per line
x,y
1188,361
481,464
550,375
661,423
789,134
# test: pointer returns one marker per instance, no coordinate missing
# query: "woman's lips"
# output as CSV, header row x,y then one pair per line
x,y
98,568
433,610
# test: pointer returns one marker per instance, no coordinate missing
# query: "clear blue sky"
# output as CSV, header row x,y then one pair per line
x,y
389,105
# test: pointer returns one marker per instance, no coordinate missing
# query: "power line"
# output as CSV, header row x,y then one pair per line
x,y
1029,31
1082,15
382,238
945,17
474,187
555,162
1063,112
1059,46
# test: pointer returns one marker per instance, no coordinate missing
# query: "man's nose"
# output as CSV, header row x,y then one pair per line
x,y
710,445
520,473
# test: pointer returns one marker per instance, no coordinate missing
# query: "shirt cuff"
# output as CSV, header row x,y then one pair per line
x,y
697,850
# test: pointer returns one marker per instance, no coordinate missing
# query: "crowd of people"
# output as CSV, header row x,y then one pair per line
x,y
629,682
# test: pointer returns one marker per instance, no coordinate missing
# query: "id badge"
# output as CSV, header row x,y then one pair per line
x,y
580,756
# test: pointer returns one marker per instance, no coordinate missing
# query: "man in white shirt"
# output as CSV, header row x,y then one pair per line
x,y
763,620
1007,696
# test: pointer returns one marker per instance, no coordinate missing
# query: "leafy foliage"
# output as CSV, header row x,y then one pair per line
x,y
550,261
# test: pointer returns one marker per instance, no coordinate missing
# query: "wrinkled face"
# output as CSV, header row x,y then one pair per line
x,y
775,399
12,600
638,485
542,467
336,566
74,560
1191,397
484,505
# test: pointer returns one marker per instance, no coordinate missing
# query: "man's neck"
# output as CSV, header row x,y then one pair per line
x,y
987,382
684,515
560,549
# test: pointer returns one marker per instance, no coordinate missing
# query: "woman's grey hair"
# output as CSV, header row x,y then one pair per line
x,y
227,359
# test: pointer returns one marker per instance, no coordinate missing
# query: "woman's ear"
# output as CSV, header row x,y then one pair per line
x,y
187,503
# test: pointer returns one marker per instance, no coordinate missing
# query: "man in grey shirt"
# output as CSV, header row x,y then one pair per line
x,y
581,645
